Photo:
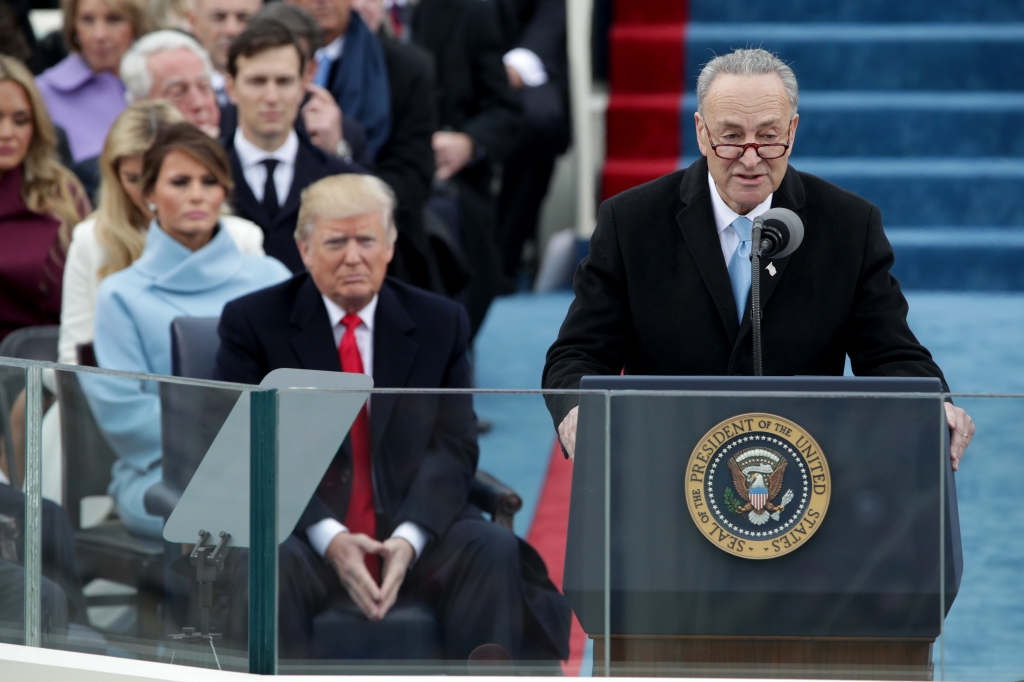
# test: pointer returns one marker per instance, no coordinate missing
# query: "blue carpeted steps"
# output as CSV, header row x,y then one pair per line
x,y
917,106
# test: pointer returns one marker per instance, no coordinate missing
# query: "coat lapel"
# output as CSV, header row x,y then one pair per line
x,y
697,223
313,342
394,351
305,175
242,199
790,194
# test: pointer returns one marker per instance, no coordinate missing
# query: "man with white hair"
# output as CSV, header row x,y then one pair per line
x,y
391,514
666,287
216,24
173,66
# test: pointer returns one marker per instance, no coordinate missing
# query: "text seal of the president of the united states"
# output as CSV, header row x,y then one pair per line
x,y
757,486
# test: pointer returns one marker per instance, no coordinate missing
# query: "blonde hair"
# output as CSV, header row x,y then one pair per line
x,y
120,224
47,187
137,12
344,196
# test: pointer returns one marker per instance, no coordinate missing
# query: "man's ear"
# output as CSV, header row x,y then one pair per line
x,y
699,124
305,251
310,73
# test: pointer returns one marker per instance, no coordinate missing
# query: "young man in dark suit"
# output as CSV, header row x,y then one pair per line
x,y
391,514
270,161
666,287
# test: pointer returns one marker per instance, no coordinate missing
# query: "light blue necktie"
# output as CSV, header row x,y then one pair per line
x,y
323,71
739,265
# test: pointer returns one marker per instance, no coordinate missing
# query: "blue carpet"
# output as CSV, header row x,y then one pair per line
x,y
978,340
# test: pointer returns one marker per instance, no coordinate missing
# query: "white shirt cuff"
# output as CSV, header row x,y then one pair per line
x,y
414,535
528,64
320,534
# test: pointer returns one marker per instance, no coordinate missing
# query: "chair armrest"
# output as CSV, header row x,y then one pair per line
x,y
161,498
495,498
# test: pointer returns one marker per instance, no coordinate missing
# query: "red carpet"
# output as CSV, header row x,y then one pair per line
x,y
646,66
547,535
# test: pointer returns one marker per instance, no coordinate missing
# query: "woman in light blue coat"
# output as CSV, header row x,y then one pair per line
x,y
189,268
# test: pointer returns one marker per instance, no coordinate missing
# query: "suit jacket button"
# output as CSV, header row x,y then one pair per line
x,y
346,476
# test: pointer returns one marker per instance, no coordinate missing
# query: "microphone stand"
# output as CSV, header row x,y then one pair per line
x,y
756,248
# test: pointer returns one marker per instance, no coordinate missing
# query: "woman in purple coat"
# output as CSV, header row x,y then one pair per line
x,y
83,92
40,201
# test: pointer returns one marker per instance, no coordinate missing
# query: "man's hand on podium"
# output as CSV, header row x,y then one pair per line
x,y
961,431
567,432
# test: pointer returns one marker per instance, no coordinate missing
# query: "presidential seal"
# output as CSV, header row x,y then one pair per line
x,y
757,486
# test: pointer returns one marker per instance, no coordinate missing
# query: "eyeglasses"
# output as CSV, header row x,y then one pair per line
x,y
731,152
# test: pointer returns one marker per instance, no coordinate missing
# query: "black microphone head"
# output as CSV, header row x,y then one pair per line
x,y
784,229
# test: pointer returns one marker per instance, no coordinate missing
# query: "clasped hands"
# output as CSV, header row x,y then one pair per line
x,y
961,431
346,554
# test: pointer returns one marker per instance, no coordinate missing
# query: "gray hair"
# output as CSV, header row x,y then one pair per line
x,y
750,62
138,81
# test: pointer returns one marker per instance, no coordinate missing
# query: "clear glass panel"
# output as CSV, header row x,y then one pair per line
x,y
500,520
984,627
12,502
116,453
788,532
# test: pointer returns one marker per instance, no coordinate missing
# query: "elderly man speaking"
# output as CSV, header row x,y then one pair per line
x,y
665,289
392,513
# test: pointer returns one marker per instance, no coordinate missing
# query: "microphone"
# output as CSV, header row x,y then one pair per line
x,y
782,232
776,233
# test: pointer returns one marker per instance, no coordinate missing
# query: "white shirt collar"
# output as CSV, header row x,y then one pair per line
x,y
251,155
331,50
335,312
724,216
217,80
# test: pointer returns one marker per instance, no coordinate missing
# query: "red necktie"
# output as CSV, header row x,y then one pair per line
x,y
360,517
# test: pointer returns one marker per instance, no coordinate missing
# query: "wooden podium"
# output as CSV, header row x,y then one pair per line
x,y
862,598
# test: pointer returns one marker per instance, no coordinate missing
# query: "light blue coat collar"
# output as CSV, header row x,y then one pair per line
x,y
174,268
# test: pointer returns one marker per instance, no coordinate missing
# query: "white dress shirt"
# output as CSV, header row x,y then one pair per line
x,y
320,534
528,64
251,159
331,51
219,85
724,217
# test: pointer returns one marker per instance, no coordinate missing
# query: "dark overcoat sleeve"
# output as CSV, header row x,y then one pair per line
x,y
879,341
406,162
497,121
594,334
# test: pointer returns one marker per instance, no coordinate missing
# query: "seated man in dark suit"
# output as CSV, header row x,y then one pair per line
x,y
391,514
272,163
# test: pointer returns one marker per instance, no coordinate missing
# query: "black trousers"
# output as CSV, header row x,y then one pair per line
x,y
527,171
473,575
52,599
59,564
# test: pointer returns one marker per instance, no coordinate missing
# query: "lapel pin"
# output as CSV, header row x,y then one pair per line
x,y
771,269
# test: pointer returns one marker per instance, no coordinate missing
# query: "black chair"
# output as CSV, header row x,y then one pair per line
x,y
27,343
106,550
191,418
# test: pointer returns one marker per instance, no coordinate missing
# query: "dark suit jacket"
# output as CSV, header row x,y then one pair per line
x,y
539,26
474,96
351,129
311,164
406,161
424,446
654,295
